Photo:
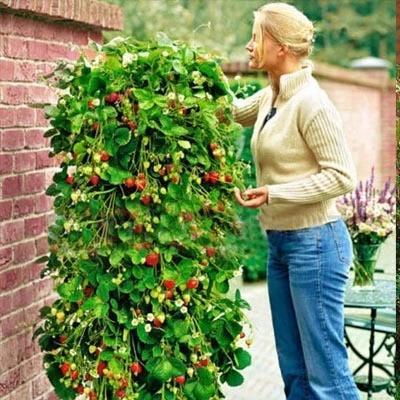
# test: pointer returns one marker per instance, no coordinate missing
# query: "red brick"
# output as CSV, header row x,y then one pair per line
x,y
35,226
24,72
24,252
23,206
50,396
41,95
29,368
80,37
5,306
6,163
12,139
40,385
10,279
6,69
15,95
5,23
12,186
43,160
10,380
12,232
43,288
41,118
5,259
25,116
7,117
34,138
38,50
59,51
43,203
96,36
23,392
44,69
34,182
42,246
24,162
5,209
15,47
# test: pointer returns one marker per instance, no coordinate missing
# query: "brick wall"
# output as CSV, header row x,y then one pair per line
x,y
33,35
366,102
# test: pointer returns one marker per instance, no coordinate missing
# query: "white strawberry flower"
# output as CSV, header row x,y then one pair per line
x,y
179,303
171,96
150,317
128,58
181,97
147,328
184,310
165,53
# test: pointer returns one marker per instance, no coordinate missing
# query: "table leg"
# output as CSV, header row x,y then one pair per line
x,y
371,353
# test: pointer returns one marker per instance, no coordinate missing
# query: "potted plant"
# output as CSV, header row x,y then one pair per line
x,y
370,217
143,205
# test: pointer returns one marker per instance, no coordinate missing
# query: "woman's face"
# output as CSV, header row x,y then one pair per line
x,y
268,57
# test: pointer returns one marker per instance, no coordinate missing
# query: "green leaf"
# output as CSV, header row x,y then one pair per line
x,y
178,67
163,371
116,366
125,234
203,392
106,355
243,358
70,290
234,378
205,376
184,144
164,236
103,291
122,136
117,175
96,83
116,256
80,147
54,375
87,235
144,336
178,367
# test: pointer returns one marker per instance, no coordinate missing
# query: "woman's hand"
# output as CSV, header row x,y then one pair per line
x,y
252,198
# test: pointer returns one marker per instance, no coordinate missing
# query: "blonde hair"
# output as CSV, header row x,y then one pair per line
x,y
286,25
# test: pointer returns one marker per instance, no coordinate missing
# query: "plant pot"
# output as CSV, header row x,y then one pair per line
x,y
365,257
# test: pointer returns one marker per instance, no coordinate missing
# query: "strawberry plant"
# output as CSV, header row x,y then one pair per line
x,y
143,203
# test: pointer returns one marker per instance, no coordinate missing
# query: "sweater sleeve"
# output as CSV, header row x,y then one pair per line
x,y
337,175
245,111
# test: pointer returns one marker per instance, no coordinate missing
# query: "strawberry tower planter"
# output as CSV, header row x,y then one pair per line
x,y
144,207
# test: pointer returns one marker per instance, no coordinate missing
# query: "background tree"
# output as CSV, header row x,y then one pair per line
x,y
346,29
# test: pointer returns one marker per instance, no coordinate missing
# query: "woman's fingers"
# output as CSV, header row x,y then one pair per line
x,y
253,197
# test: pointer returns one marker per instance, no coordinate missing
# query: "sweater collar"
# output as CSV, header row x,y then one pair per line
x,y
290,83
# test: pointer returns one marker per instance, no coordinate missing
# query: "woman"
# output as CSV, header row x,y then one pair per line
x,y
302,164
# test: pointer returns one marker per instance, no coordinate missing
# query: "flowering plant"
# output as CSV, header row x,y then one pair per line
x,y
144,206
369,213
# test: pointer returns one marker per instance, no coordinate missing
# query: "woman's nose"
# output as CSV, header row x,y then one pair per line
x,y
249,46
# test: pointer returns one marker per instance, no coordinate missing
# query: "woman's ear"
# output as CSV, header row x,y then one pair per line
x,y
283,50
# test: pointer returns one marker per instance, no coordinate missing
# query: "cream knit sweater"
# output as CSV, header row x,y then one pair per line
x,y
300,154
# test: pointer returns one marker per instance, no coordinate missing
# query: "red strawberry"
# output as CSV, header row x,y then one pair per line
x,y
206,177
132,125
123,383
213,146
213,177
192,283
141,184
100,367
64,368
180,380
220,206
188,217
74,375
138,229
88,291
92,396
157,323
169,168
130,182
69,179
211,251
242,335
62,339
113,98
79,389
152,259
120,393
228,178
136,368
203,362
91,105
169,294
175,179
88,377
94,180
169,284
146,199
95,126
104,156
135,107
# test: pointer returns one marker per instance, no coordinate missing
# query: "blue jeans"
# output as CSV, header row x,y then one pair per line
x,y
307,273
